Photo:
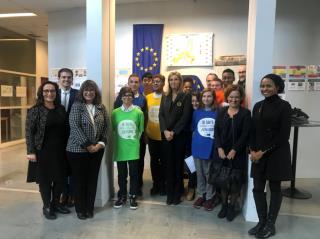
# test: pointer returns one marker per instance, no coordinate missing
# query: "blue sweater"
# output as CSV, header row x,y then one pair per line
x,y
203,133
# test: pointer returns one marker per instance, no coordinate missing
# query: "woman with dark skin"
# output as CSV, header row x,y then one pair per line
x,y
270,152
46,138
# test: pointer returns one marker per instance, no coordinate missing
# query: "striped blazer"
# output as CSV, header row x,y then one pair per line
x,y
83,132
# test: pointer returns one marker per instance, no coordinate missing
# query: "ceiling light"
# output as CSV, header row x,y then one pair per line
x,y
14,39
21,14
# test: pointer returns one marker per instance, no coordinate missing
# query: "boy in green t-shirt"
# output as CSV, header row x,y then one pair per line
x,y
128,125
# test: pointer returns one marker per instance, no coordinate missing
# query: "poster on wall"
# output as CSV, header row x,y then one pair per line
x,y
231,60
21,91
313,71
313,84
122,75
79,76
280,71
297,72
297,84
6,91
192,49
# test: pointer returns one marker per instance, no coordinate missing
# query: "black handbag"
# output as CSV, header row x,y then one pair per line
x,y
214,171
236,180
223,179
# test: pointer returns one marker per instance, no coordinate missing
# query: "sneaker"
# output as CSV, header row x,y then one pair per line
x,y
199,202
120,202
208,205
133,203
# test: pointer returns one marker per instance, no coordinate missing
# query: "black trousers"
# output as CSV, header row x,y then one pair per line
x,y
141,160
50,192
123,175
260,184
85,168
157,164
174,152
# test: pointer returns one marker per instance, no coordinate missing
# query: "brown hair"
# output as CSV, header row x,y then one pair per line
x,y
89,84
231,88
40,99
214,103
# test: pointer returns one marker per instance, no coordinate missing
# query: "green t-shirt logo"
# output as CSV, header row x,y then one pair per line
x,y
127,129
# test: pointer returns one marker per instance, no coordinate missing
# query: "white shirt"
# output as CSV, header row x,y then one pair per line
x,y
65,97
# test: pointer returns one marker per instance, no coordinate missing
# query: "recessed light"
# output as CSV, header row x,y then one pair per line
x,y
14,39
17,14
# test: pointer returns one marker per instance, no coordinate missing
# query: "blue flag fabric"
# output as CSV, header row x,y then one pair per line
x,y
147,42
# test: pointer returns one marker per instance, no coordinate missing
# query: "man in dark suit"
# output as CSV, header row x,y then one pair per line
x,y
67,95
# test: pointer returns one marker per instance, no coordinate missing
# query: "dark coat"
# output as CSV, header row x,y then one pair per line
x,y
175,115
35,133
270,132
35,127
240,130
73,94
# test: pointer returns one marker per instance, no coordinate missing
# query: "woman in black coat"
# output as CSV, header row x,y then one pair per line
x,y
231,134
175,117
46,138
270,152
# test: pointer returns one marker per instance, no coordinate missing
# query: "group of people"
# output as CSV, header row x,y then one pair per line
x,y
213,126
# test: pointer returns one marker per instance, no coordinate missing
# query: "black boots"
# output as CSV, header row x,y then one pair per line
x,y
262,209
275,204
48,212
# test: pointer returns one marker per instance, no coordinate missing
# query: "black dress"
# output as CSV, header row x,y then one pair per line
x,y
270,133
51,159
233,133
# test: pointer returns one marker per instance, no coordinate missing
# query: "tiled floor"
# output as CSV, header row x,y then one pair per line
x,y
20,214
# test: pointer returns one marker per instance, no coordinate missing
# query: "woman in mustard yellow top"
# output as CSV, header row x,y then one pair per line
x,y
157,163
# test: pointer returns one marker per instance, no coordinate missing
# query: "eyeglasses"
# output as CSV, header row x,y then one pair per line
x,y
49,91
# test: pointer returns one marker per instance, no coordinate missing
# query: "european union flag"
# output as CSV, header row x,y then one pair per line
x,y
147,42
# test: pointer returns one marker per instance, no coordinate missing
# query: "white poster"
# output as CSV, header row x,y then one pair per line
x,y
6,90
297,84
21,91
193,49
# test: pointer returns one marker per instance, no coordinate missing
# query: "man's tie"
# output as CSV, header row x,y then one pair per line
x,y
64,100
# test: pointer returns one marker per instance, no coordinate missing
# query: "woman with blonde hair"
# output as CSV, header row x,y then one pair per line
x,y
174,116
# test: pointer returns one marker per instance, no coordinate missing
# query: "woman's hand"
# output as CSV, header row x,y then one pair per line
x,y
91,148
255,156
168,134
32,157
221,153
231,154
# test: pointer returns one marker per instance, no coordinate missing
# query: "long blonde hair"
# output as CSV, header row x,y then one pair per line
x,y
177,74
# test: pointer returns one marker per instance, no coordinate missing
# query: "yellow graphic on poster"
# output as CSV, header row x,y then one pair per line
x,y
193,49
297,72
280,71
313,71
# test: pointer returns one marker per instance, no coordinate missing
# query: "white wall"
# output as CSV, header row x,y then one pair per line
x,y
67,39
41,61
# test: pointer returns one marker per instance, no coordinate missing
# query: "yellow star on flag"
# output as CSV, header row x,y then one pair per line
x,y
141,68
154,64
138,64
137,58
142,50
156,59
150,68
138,53
155,54
151,49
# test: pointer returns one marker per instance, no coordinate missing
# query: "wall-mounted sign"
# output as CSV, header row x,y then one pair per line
x,y
6,90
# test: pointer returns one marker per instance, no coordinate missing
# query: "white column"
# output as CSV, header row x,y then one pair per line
x,y
100,32
261,24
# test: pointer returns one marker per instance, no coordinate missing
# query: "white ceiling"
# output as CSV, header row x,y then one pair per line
x,y
37,27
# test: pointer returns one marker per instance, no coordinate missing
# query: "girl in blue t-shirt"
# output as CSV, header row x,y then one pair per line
x,y
203,121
